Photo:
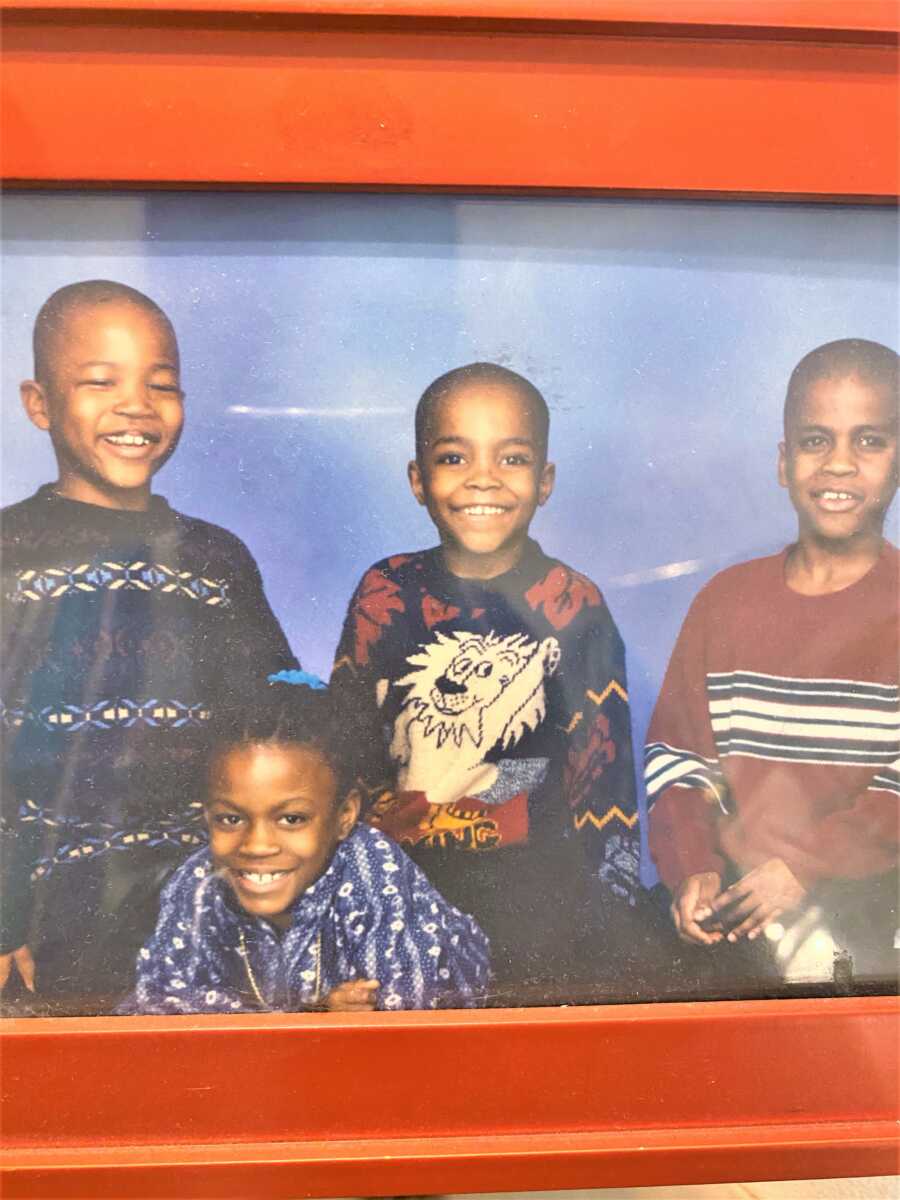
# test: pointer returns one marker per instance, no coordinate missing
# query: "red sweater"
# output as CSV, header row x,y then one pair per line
x,y
777,731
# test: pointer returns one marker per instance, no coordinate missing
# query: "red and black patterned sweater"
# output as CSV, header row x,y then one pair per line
x,y
494,743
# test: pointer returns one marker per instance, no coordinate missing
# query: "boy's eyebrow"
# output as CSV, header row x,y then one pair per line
x,y
877,426
163,364
510,441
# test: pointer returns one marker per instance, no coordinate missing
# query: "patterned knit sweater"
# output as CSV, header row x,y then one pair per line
x,y
371,915
122,631
777,732
498,748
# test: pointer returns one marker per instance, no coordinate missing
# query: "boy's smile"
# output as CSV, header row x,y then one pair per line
x,y
274,822
839,460
112,402
481,477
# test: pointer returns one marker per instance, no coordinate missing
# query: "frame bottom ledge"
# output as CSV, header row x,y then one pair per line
x,y
433,1165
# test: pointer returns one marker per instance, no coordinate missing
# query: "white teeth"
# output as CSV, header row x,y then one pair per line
x,y
483,510
836,495
128,439
261,877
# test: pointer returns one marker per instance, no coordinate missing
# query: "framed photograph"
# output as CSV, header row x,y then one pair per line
x,y
636,220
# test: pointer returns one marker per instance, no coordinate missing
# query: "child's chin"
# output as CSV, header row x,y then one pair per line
x,y
270,911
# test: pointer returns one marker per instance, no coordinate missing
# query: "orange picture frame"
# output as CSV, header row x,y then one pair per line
x,y
787,99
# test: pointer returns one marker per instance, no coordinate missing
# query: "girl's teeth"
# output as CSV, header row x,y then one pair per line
x,y
128,439
483,510
836,496
262,876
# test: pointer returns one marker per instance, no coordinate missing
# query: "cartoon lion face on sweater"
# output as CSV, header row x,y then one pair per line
x,y
469,693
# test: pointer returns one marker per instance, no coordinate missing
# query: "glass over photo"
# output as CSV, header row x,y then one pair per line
x,y
432,602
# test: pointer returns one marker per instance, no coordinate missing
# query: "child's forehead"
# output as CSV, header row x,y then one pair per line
x,y
83,321
487,406
844,399
270,765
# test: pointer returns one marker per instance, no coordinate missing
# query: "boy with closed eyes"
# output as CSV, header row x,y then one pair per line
x,y
125,625
773,755
493,680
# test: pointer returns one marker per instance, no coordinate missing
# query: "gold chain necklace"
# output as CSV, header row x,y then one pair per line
x,y
251,978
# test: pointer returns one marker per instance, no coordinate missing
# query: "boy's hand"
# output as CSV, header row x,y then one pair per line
x,y
691,903
752,903
24,964
356,996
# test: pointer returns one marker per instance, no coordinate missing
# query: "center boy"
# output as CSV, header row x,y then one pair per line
x,y
491,681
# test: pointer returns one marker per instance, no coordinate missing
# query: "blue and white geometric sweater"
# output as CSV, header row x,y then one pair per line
x,y
122,633
371,915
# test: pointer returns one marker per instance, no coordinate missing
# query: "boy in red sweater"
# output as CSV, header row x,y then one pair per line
x,y
772,758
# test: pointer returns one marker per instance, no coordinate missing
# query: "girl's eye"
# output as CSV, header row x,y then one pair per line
x,y
170,388
873,441
227,820
450,459
294,820
97,383
516,460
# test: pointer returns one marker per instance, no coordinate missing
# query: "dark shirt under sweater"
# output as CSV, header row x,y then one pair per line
x,y
122,633
495,747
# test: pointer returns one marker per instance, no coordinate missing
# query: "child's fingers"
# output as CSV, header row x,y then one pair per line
x,y
765,920
727,900
357,995
753,920
688,928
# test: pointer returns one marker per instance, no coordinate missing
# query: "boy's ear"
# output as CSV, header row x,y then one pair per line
x,y
782,464
34,401
548,478
348,813
414,474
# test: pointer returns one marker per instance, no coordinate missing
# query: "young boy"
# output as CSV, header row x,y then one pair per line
x,y
494,681
294,905
772,764
125,625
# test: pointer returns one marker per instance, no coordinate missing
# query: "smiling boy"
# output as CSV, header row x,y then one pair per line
x,y
124,625
772,763
499,752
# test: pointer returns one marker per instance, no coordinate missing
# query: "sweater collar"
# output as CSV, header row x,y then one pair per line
x,y
78,513
531,567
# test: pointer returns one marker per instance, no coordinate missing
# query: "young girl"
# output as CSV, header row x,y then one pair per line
x,y
293,905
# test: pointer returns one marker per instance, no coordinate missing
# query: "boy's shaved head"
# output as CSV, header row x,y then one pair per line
x,y
482,373
51,321
871,363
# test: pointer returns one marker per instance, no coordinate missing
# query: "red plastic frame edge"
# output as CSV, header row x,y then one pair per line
x,y
421,1102
263,98
872,16
464,1102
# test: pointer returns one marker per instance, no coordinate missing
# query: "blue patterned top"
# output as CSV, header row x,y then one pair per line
x,y
371,915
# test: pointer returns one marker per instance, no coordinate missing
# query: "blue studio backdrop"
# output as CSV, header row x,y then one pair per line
x,y
661,333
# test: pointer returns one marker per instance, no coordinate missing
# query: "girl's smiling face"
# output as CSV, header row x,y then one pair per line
x,y
275,821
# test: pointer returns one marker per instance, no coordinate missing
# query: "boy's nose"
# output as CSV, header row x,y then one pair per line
x,y
841,460
482,477
133,397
